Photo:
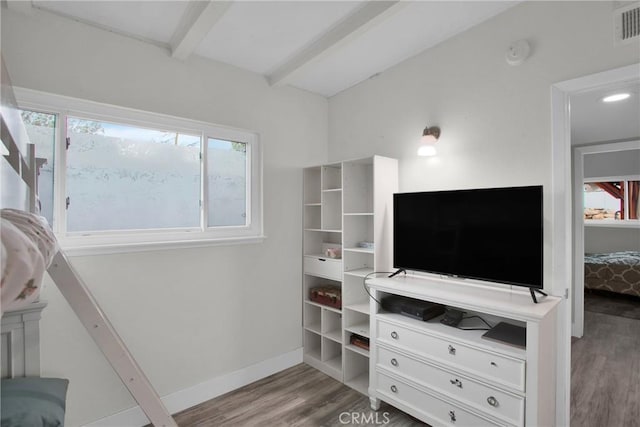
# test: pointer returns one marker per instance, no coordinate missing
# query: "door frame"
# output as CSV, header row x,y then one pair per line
x,y
562,229
577,327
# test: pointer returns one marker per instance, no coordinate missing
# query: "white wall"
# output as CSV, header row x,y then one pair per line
x,y
187,315
612,164
610,239
495,119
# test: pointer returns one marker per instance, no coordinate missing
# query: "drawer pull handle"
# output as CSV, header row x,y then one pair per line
x,y
452,350
394,362
456,382
394,389
394,335
321,259
494,364
492,401
452,415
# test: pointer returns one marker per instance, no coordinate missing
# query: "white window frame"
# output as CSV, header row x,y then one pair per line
x,y
87,243
623,223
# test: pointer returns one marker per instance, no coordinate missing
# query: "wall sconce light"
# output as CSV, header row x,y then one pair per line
x,y
430,136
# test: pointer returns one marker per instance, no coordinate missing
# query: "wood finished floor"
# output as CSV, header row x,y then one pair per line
x,y
299,396
605,376
605,373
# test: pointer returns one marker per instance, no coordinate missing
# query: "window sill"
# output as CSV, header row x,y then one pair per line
x,y
611,223
89,249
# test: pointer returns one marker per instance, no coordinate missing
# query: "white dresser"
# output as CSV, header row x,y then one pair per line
x,y
447,376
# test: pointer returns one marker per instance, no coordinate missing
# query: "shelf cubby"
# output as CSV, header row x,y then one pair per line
x,y
356,323
332,357
356,368
332,325
315,281
358,184
356,260
332,177
312,345
332,210
353,291
359,307
358,228
313,216
317,241
312,317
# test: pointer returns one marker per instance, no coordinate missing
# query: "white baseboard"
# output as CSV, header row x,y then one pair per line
x,y
183,399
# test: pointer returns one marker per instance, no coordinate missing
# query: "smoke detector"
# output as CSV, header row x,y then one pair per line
x,y
518,52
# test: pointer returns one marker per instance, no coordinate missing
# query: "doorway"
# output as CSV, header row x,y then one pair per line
x,y
606,227
562,220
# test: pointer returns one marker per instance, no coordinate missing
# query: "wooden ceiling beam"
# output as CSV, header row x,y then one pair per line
x,y
358,22
614,190
197,21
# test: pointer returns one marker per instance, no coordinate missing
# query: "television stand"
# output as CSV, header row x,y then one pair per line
x,y
445,376
533,294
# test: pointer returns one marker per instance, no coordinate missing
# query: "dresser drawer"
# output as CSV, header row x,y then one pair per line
x,y
506,406
498,368
443,413
323,267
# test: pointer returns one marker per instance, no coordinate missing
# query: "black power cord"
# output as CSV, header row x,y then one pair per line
x,y
476,329
364,282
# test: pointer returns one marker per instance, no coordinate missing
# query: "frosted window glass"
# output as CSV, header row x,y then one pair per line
x,y
122,177
41,129
227,183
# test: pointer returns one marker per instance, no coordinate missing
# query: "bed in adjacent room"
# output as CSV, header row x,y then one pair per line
x,y
617,272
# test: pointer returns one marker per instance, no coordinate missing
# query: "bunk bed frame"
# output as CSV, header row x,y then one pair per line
x,y
20,157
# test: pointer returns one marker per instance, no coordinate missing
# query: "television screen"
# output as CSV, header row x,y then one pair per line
x,y
492,234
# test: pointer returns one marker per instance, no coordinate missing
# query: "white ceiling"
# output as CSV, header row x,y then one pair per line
x,y
320,46
595,121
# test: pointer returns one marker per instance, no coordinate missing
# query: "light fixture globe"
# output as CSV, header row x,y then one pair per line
x,y
428,139
427,151
430,136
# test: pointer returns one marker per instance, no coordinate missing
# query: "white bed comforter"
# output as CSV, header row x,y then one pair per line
x,y
28,245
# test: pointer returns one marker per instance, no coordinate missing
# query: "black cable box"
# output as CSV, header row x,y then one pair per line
x,y
508,333
418,309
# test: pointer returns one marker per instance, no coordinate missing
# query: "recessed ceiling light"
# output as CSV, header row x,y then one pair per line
x,y
616,97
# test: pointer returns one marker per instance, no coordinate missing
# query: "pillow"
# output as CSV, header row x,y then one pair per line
x,y
33,402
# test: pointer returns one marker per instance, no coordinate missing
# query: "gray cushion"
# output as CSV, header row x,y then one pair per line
x,y
33,402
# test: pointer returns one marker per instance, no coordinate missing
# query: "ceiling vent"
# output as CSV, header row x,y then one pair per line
x,y
626,23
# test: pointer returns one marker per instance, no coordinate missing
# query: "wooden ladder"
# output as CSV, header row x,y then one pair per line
x,y
95,321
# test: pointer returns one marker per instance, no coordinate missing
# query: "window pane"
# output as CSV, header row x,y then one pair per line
x,y
41,129
604,200
122,177
227,180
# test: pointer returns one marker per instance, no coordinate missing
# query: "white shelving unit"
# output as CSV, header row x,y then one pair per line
x,y
345,205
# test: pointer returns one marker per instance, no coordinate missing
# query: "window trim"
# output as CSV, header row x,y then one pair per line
x,y
617,223
153,239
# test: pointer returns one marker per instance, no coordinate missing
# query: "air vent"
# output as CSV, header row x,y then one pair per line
x,y
627,23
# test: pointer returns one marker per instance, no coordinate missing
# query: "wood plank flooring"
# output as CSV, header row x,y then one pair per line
x,y
605,376
605,373
299,396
